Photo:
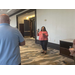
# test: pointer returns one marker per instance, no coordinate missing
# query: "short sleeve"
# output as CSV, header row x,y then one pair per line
x,y
21,39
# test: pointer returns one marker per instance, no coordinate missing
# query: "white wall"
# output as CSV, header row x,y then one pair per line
x,y
60,23
13,21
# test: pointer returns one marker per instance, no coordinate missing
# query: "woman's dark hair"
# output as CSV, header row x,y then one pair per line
x,y
44,28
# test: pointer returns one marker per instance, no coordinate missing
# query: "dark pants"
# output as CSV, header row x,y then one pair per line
x,y
44,44
20,64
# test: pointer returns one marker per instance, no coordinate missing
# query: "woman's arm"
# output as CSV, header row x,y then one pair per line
x,y
37,32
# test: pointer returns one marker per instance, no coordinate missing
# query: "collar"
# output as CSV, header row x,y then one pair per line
x,y
4,24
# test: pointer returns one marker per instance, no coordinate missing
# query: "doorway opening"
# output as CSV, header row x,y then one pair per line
x,y
26,23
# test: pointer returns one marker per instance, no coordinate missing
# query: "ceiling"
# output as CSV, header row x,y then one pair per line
x,y
10,12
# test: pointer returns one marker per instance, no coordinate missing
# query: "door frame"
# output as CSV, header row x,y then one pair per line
x,y
35,20
29,22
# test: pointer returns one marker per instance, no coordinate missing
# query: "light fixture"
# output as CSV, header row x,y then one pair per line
x,y
9,10
27,18
31,16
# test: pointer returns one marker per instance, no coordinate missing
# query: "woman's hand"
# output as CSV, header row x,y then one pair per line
x,y
43,34
37,30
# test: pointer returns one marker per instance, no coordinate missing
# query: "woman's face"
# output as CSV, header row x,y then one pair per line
x,y
42,28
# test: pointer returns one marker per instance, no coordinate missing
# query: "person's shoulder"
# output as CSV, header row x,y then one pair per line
x,y
14,28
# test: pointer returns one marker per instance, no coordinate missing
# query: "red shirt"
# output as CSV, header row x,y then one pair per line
x,y
43,37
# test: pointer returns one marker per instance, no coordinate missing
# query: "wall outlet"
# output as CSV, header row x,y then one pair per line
x,y
45,20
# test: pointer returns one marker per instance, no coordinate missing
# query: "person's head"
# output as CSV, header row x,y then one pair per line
x,y
74,41
4,19
43,28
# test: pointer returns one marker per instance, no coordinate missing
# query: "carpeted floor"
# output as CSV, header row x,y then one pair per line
x,y
31,55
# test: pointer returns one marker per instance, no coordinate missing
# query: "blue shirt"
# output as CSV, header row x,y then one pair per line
x,y
9,45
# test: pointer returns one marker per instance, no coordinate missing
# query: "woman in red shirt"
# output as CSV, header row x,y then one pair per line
x,y
43,38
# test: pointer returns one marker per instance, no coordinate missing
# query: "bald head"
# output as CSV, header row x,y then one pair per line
x,y
4,19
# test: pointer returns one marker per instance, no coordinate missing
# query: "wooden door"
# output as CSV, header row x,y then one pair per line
x,y
26,28
22,29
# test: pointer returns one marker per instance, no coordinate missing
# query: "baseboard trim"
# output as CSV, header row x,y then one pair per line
x,y
52,45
